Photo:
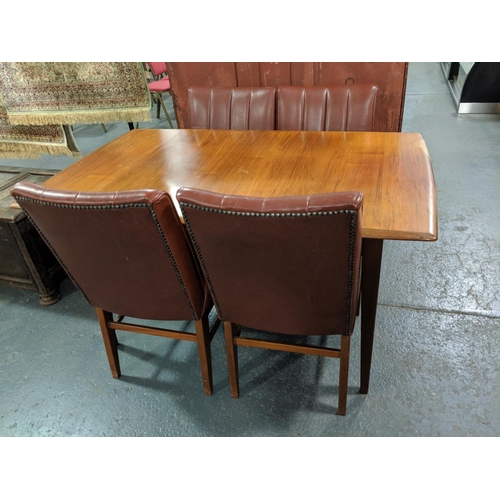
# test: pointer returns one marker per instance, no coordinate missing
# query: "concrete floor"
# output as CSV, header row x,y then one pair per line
x,y
436,357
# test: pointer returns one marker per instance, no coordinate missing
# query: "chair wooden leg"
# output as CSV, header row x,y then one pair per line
x,y
203,341
110,341
230,332
345,344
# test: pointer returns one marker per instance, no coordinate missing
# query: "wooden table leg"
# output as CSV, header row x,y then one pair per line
x,y
370,278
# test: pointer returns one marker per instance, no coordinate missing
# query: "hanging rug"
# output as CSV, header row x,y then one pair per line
x,y
30,141
43,93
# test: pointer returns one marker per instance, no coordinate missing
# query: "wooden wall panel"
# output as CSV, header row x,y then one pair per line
x,y
390,78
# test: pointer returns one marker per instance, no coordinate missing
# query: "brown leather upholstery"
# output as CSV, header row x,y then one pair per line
x,y
284,269
126,251
339,107
238,108
284,265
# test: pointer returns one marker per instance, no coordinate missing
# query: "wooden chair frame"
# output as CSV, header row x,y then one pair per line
x,y
233,339
203,337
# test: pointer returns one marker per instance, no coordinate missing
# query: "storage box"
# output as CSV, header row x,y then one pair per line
x,y
25,260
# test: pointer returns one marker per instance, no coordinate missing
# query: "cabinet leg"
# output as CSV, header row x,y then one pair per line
x,y
48,300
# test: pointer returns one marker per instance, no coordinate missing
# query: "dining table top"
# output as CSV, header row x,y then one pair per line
x,y
392,169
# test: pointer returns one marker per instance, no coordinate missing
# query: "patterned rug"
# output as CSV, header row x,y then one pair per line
x,y
30,141
60,93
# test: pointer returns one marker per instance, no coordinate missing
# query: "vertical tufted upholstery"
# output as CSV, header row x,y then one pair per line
x,y
284,265
126,251
238,108
340,107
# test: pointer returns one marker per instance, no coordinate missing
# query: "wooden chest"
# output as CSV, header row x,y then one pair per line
x,y
25,260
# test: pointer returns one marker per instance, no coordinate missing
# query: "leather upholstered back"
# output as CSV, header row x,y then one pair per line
x,y
285,265
340,107
238,108
126,251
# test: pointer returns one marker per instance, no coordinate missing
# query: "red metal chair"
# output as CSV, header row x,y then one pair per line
x,y
159,86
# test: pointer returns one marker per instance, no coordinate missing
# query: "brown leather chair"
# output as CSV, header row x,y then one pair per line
x,y
283,265
339,107
129,254
232,108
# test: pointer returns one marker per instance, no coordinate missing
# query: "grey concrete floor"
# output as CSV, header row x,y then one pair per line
x,y
436,357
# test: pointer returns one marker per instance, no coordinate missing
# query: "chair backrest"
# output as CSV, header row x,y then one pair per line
x,y
126,251
158,68
232,108
339,107
285,265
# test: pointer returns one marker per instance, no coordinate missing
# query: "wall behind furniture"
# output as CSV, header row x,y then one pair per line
x,y
390,78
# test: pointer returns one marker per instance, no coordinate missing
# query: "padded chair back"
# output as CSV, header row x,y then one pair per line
x,y
284,265
126,251
158,68
340,107
238,108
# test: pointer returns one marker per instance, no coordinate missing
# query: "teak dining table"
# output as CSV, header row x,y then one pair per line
x,y
393,171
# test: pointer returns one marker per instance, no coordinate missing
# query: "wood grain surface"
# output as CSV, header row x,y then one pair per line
x,y
392,169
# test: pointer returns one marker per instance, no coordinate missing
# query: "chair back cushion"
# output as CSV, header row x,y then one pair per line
x,y
238,108
158,68
340,107
285,265
126,251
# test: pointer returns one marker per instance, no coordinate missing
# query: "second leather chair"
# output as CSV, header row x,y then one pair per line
x,y
283,265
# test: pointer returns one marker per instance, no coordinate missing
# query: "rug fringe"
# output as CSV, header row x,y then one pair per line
x,y
23,149
19,155
89,117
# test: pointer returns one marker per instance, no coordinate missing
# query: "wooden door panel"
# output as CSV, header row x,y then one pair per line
x,y
390,78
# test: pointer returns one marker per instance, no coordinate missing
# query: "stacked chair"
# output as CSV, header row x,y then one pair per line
x,y
159,86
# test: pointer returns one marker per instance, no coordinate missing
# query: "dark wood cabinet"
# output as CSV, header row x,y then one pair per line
x,y
25,260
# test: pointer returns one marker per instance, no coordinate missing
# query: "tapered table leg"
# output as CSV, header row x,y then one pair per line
x,y
230,332
370,278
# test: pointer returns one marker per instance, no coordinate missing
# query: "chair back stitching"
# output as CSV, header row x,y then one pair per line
x,y
210,108
303,112
97,207
230,113
352,241
249,107
347,110
325,111
200,257
52,249
373,110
